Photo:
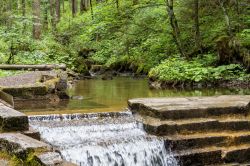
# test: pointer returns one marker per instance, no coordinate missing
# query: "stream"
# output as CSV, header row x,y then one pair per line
x,y
94,128
111,96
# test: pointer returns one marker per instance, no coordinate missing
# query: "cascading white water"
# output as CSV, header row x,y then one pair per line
x,y
102,140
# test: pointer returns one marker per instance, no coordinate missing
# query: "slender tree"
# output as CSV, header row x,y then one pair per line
x,y
226,16
175,27
117,4
91,8
23,4
83,6
58,10
45,15
36,8
74,7
52,14
63,6
198,41
135,2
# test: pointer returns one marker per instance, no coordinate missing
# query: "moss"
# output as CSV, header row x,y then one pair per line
x,y
30,160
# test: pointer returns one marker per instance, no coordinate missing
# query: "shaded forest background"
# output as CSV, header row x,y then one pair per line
x,y
194,40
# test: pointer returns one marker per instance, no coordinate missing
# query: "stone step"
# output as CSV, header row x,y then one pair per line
x,y
238,154
213,155
198,157
12,120
191,107
202,140
170,127
21,145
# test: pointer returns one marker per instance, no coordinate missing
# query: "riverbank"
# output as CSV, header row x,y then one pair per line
x,y
197,74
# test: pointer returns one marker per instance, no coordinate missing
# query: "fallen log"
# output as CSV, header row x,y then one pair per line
x,y
33,67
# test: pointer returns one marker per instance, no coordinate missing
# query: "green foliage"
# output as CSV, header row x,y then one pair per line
x,y
177,69
136,37
244,37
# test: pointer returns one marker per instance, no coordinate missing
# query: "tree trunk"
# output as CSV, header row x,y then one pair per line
x,y
91,8
9,9
58,10
24,14
237,8
74,7
198,41
227,19
45,16
175,27
117,4
135,2
36,19
52,14
63,6
83,6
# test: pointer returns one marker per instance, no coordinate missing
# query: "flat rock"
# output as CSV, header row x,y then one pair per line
x,y
191,107
19,144
52,159
12,120
25,79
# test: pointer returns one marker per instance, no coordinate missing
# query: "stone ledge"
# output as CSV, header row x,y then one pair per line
x,y
191,107
12,120
21,145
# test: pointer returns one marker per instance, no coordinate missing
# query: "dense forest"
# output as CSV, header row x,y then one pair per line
x,y
174,41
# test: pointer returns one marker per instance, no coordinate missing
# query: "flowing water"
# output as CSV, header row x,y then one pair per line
x,y
115,139
90,138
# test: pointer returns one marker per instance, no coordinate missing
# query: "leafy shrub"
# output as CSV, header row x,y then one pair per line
x,y
176,69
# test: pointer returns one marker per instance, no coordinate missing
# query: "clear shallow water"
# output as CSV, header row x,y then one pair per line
x,y
110,140
112,95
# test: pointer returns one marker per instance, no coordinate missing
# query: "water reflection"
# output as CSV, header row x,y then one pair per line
x,y
112,95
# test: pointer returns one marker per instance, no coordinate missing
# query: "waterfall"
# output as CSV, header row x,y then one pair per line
x,y
114,139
